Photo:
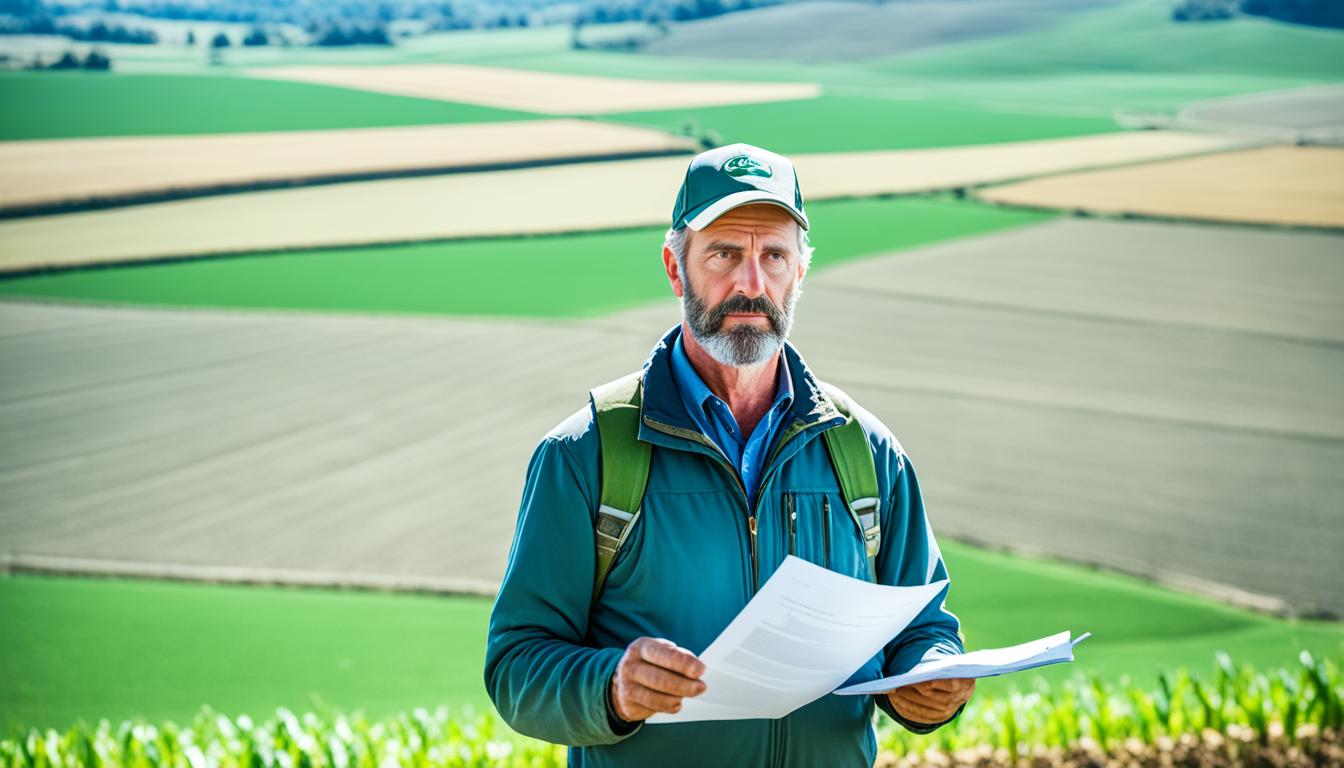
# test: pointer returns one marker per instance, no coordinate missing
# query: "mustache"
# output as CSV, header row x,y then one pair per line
x,y
738,303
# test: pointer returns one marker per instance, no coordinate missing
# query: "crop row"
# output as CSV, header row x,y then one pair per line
x,y
1286,717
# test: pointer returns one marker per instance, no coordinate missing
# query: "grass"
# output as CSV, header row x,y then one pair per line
x,y
74,648
1128,56
601,272
832,123
1138,37
61,105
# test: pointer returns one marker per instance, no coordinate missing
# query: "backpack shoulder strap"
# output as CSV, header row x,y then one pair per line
x,y
625,467
852,458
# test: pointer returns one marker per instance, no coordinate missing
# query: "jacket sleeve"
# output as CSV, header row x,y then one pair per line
x,y
541,677
909,556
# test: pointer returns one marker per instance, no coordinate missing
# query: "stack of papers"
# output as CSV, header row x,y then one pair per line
x,y
806,631
989,662
810,629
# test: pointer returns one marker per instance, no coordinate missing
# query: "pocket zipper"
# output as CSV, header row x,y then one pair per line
x,y
826,531
793,524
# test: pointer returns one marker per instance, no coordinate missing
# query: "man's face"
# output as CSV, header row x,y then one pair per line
x,y
741,283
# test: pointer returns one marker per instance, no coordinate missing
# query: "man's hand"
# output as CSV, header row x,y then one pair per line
x,y
933,701
654,675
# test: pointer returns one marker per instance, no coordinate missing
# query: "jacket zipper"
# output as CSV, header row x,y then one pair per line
x,y
793,523
697,437
826,531
727,467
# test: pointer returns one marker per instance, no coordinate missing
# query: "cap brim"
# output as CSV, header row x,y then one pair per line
x,y
728,202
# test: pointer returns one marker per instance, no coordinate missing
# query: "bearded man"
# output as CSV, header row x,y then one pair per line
x,y
725,439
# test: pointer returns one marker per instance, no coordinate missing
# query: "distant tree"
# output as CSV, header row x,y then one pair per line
x,y
1317,13
67,61
23,8
217,45
257,36
102,32
1203,10
97,60
336,35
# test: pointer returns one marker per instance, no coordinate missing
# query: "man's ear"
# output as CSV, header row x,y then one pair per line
x,y
673,273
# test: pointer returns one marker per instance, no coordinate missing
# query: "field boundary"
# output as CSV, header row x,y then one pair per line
x,y
944,169
50,565
104,202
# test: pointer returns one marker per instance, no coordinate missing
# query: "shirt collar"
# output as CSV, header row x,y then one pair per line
x,y
694,388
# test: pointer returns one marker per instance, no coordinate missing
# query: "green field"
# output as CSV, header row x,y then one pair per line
x,y
854,123
90,648
62,105
600,272
1059,81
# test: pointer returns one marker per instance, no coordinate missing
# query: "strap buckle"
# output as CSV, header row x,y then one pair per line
x,y
866,512
611,522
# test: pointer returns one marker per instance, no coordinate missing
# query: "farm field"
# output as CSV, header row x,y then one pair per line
x,y
979,382
505,276
546,92
871,123
60,105
264,448
852,29
121,169
1312,112
628,193
1100,406
161,650
1124,56
1287,186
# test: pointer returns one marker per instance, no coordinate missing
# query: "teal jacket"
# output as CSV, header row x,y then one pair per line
x,y
687,568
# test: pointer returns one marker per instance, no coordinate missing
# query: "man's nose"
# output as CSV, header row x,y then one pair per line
x,y
750,278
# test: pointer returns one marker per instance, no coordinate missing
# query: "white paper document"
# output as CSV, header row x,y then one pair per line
x,y
984,663
806,631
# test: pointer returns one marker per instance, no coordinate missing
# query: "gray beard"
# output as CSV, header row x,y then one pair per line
x,y
743,345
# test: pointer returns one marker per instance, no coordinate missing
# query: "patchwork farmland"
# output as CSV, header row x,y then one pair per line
x,y
47,175
1286,186
1110,353
627,193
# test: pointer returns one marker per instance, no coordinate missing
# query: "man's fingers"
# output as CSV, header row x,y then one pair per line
x,y
665,680
665,653
634,712
916,709
955,685
651,699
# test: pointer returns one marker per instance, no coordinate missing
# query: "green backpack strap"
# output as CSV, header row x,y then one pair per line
x,y
852,457
625,467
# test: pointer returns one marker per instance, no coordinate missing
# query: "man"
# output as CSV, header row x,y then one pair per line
x,y
582,649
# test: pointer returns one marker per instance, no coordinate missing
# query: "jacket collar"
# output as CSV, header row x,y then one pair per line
x,y
661,402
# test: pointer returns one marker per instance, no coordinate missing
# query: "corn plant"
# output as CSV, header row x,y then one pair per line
x,y
1082,713
1088,710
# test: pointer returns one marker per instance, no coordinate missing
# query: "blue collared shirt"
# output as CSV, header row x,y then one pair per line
x,y
715,419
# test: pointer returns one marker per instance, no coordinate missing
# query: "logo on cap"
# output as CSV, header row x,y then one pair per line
x,y
745,165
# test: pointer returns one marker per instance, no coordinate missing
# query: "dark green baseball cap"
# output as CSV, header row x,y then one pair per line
x,y
720,179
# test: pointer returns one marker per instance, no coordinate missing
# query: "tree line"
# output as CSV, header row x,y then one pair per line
x,y
1316,13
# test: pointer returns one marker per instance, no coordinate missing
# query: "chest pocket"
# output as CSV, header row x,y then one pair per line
x,y
822,531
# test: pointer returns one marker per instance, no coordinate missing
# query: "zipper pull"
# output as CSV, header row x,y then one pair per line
x,y
755,573
793,525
